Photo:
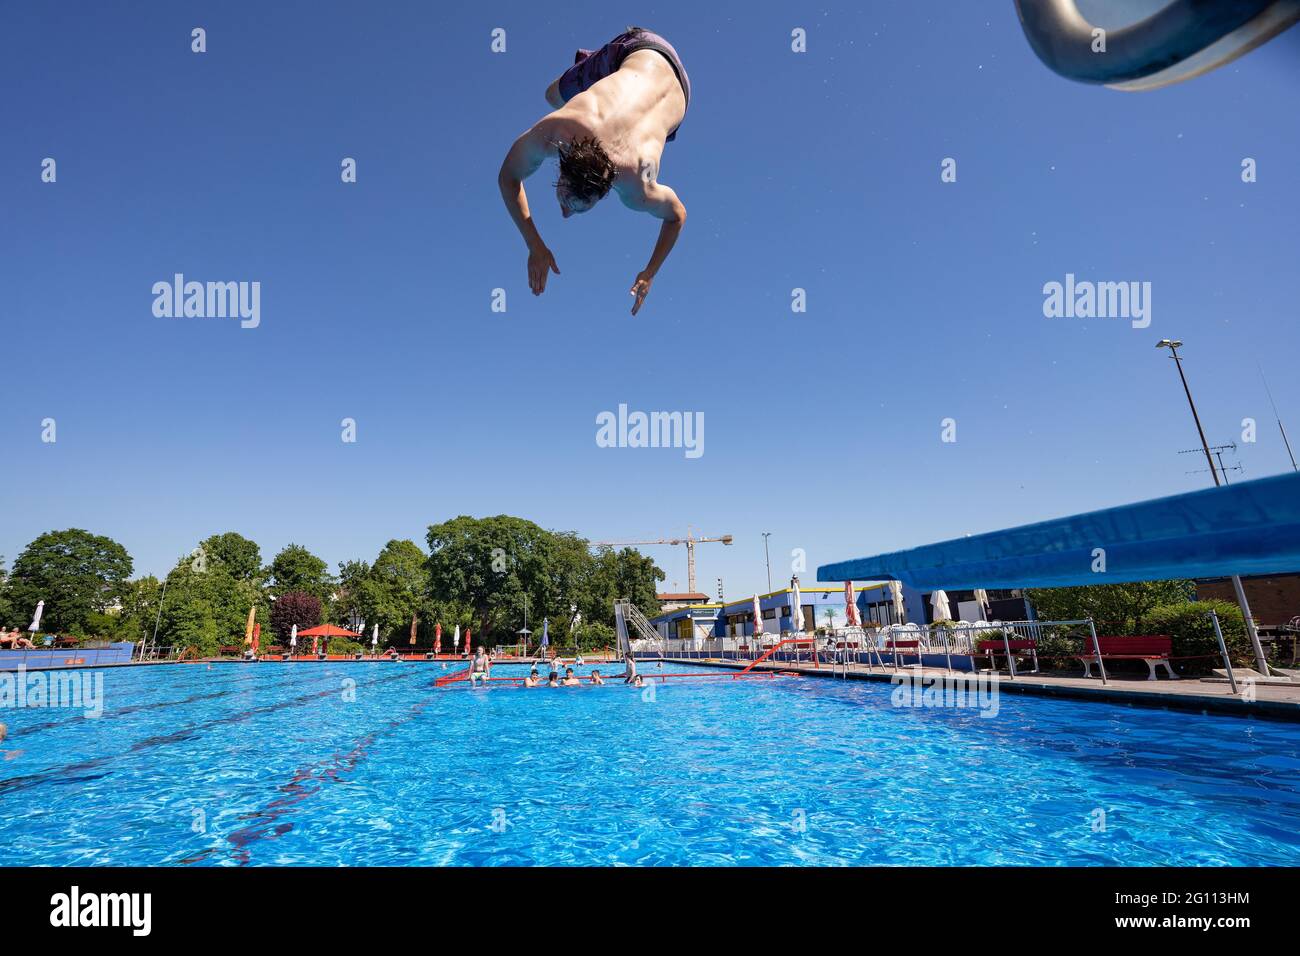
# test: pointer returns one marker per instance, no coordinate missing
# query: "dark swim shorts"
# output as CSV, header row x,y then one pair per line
x,y
592,65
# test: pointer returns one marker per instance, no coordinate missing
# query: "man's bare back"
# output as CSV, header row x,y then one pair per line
x,y
615,109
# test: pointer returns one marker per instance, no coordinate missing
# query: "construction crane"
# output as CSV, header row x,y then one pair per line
x,y
690,541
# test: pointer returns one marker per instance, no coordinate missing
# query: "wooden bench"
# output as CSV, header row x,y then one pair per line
x,y
1152,650
1018,647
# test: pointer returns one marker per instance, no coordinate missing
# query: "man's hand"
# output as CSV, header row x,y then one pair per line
x,y
540,264
641,289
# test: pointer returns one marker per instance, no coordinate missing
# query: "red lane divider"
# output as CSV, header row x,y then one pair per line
x,y
451,678
462,676
775,647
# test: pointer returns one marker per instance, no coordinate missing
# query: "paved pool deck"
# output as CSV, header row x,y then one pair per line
x,y
1271,701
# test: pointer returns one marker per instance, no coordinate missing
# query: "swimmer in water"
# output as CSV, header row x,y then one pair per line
x,y
553,679
7,754
569,679
629,675
596,678
637,681
532,680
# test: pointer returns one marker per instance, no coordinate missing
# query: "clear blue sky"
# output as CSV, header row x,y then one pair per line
x,y
818,170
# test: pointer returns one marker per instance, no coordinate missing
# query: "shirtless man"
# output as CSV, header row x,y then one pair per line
x,y
480,668
614,110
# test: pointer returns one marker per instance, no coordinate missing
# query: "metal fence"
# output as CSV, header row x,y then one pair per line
x,y
961,646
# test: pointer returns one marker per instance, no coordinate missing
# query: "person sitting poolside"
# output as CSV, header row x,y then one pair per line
x,y
569,679
480,668
15,641
532,680
596,678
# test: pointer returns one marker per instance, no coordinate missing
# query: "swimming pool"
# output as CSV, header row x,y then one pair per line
x,y
369,764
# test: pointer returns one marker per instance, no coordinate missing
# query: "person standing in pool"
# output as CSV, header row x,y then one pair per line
x,y
614,110
629,673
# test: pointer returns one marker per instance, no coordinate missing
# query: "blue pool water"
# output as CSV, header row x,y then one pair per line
x,y
272,764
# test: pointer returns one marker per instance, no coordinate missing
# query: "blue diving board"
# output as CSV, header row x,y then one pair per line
x,y
1252,527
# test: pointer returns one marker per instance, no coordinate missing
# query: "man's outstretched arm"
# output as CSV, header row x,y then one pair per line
x,y
527,153
662,203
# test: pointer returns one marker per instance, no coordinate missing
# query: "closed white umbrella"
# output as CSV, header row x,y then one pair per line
x,y
455,639
758,617
293,639
36,618
896,595
796,606
939,601
374,638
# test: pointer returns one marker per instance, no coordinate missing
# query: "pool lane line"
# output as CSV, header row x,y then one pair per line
x,y
26,781
129,709
305,783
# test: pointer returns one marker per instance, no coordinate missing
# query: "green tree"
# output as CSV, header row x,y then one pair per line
x,y
622,574
6,606
1115,608
297,569
349,599
395,589
241,557
207,606
75,572
133,618
493,565
488,565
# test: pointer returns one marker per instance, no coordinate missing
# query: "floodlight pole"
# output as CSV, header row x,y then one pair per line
x,y
1260,664
768,558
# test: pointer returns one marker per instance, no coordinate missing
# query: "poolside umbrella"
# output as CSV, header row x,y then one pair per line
x,y
36,618
850,609
257,637
327,631
374,638
437,639
758,617
415,619
248,628
293,639
469,641
896,595
455,640
796,608
546,632
939,601
982,598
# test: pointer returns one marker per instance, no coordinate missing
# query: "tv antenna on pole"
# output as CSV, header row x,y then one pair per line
x,y
1217,451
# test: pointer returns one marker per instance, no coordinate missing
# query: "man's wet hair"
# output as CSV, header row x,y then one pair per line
x,y
586,170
